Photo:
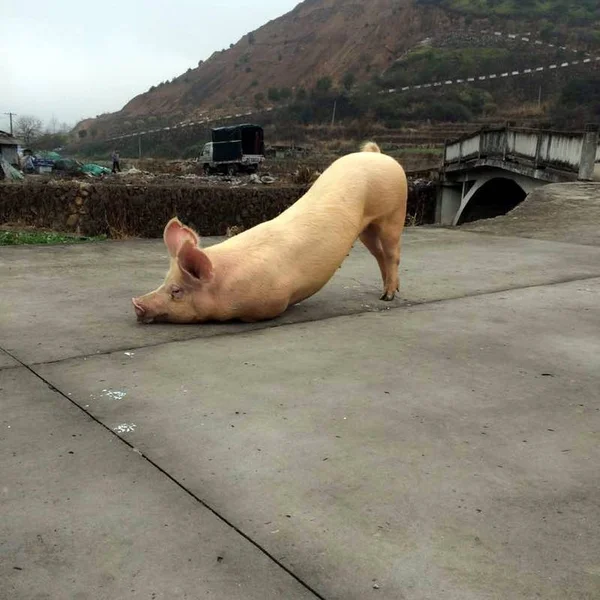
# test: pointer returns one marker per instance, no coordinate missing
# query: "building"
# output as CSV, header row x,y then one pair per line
x,y
8,148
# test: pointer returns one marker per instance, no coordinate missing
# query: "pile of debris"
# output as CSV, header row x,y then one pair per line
x,y
70,166
47,163
231,180
8,172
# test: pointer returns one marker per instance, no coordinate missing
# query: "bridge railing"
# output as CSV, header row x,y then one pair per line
x,y
541,149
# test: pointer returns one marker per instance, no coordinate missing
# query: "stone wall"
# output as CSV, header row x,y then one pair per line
x,y
119,210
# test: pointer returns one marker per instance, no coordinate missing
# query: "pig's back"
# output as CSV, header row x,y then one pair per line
x,y
301,249
359,184
320,228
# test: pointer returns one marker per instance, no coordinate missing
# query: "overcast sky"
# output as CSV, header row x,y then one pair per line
x,y
70,59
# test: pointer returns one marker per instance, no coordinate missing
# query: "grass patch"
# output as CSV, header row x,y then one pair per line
x,y
425,65
15,238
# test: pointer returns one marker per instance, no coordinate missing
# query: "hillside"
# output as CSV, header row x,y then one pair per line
x,y
352,49
319,38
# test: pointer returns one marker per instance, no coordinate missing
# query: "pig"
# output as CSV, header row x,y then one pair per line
x,y
259,273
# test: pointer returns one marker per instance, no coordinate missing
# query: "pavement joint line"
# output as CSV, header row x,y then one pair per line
x,y
406,305
154,464
7,367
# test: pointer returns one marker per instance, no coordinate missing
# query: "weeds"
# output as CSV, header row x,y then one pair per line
x,y
14,238
305,176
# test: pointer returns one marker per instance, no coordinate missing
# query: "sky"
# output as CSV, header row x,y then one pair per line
x,y
65,60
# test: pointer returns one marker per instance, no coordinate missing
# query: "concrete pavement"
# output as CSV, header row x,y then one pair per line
x,y
85,517
66,301
560,212
444,447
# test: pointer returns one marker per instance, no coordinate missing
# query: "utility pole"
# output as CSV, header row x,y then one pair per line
x,y
140,146
333,115
11,115
540,97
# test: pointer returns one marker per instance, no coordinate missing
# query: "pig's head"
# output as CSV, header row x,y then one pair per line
x,y
185,296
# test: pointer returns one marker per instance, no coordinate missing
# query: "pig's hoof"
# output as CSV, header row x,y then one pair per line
x,y
388,296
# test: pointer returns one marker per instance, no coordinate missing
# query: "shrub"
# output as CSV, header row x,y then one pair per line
x,y
348,80
273,94
324,84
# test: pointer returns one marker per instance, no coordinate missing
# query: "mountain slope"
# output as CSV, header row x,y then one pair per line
x,y
349,43
318,38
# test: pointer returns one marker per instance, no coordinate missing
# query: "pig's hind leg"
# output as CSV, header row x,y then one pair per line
x,y
387,233
370,238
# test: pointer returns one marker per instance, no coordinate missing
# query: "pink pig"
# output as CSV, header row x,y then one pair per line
x,y
257,274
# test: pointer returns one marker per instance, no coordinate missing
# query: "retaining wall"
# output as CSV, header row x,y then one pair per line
x,y
133,210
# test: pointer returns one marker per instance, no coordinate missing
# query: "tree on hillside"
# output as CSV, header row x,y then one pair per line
x,y
52,126
28,128
582,90
579,102
324,84
50,141
259,100
348,80
273,94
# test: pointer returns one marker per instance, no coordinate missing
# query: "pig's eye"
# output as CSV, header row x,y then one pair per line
x,y
176,292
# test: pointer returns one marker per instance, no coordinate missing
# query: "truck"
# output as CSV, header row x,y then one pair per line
x,y
233,149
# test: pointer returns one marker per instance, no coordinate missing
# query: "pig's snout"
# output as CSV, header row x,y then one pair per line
x,y
141,311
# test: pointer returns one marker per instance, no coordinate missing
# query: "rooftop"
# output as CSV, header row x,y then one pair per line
x,y
8,140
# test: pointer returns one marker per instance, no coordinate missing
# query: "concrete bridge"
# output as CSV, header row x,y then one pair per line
x,y
488,173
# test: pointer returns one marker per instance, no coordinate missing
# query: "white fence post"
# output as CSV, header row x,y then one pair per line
x,y
588,153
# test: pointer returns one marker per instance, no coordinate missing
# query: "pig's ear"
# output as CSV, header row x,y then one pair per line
x,y
194,263
176,234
